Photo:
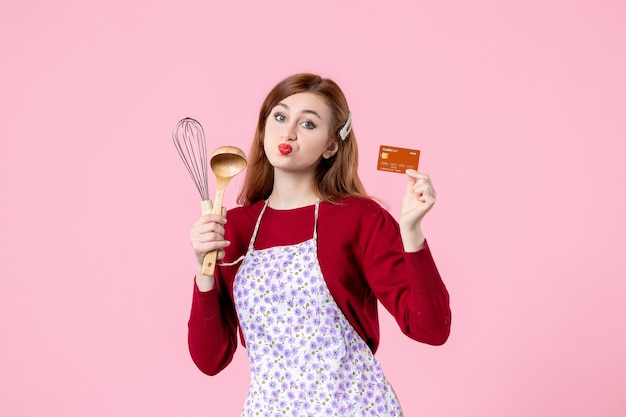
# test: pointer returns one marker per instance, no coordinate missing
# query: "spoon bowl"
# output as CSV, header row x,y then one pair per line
x,y
228,161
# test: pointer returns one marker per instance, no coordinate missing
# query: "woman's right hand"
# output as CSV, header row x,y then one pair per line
x,y
206,235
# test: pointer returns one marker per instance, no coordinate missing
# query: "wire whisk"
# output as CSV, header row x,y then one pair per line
x,y
188,137
226,162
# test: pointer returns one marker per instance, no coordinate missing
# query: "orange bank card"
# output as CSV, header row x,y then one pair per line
x,y
394,159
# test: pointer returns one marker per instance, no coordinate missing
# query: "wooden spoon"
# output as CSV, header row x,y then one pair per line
x,y
226,162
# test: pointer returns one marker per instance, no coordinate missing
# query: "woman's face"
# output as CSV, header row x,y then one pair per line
x,y
296,133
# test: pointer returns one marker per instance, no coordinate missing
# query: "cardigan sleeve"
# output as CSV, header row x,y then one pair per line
x,y
213,324
212,335
428,316
407,284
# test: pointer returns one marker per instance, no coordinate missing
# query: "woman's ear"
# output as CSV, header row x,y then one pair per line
x,y
331,150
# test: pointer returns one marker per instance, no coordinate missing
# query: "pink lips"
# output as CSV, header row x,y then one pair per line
x,y
284,148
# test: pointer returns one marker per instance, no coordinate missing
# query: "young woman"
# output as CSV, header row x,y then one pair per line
x,y
304,261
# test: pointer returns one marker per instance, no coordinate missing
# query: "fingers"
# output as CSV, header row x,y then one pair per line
x,y
207,234
421,186
206,218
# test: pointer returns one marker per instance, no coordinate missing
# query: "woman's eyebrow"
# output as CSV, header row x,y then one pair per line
x,y
303,111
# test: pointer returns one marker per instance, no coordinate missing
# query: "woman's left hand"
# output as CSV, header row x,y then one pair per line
x,y
419,198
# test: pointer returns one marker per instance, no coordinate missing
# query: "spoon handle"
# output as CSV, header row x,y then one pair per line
x,y
208,265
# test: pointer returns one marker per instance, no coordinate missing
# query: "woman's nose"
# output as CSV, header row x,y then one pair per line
x,y
289,134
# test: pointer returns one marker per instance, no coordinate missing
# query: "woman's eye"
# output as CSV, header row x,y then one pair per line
x,y
279,117
308,125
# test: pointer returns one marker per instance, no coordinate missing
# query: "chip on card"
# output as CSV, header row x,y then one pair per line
x,y
394,159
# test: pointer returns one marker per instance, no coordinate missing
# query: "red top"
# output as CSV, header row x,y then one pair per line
x,y
362,259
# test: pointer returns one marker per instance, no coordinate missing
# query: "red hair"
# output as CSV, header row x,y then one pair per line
x,y
335,177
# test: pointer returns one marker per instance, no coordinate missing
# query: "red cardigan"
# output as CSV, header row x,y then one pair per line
x,y
362,259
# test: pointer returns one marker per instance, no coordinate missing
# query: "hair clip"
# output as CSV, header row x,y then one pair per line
x,y
347,127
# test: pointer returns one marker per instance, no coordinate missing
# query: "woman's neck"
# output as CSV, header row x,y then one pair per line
x,y
291,192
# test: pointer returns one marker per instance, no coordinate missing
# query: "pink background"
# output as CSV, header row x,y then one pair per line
x,y
518,109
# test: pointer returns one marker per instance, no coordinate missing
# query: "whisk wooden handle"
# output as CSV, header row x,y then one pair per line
x,y
206,207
